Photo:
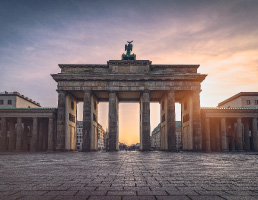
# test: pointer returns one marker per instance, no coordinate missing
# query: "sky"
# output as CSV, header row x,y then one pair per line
x,y
220,35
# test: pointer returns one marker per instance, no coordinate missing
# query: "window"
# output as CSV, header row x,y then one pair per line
x,y
9,102
256,102
1,102
248,102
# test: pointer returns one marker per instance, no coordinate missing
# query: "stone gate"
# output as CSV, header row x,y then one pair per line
x,y
129,81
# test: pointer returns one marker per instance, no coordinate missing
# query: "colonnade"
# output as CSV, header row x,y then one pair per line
x,y
27,134
90,119
230,133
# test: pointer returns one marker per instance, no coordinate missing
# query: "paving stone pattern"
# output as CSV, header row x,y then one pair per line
x,y
128,176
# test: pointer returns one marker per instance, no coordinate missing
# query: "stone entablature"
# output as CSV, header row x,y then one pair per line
x,y
229,112
28,112
128,76
128,67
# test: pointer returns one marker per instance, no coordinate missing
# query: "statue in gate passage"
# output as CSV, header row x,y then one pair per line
x,y
128,49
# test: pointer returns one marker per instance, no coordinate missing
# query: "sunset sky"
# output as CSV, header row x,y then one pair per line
x,y
220,35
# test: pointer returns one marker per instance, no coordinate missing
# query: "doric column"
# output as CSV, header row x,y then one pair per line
x,y
145,122
113,122
34,139
224,145
45,135
217,135
171,121
239,140
19,134
87,121
255,135
40,134
61,121
25,136
233,138
246,136
12,135
197,133
207,135
3,135
50,134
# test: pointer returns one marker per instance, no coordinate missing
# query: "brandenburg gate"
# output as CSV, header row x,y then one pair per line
x,y
128,80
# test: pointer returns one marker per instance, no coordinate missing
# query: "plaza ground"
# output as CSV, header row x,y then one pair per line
x,y
128,175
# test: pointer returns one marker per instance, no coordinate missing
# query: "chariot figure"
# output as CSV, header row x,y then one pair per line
x,y
128,49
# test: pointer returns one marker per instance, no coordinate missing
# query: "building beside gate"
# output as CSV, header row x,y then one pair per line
x,y
79,135
156,137
101,136
241,100
232,125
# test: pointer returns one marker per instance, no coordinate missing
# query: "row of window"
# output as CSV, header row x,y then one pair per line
x,y
248,102
9,102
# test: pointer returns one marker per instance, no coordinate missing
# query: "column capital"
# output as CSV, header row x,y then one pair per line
x,y
61,91
145,91
113,92
87,91
196,92
3,119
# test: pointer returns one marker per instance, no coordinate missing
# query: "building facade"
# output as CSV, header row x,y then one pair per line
x,y
79,135
229,129
241,100
101,136
16,100
156,137
129,80
28,129
232,125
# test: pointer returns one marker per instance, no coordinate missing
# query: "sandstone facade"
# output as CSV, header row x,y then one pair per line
x,y
130,80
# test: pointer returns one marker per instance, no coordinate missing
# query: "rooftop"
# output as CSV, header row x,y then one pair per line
x,y
5,93
238,95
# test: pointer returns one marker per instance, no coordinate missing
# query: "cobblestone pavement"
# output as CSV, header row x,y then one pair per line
x,y
128,175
